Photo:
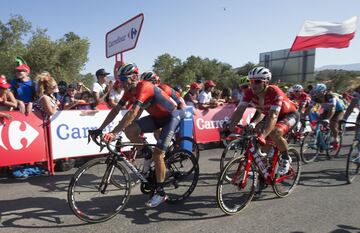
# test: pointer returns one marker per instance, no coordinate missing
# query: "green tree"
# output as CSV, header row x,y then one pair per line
x,y
63,58
165,65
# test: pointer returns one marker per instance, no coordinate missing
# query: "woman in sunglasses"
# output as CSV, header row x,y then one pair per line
x,y
280,113
47,103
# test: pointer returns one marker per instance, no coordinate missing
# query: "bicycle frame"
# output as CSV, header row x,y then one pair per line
x,y
267,175
319,137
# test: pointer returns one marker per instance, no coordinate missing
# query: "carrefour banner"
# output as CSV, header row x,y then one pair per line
x,y
208,123
22,139
69,132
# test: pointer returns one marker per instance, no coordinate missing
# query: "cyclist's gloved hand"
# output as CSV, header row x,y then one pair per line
x,y
108,137
261,139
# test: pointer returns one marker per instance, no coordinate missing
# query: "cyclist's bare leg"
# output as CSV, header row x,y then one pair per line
x,y
133,132
334,124
160,168
265,148
277,137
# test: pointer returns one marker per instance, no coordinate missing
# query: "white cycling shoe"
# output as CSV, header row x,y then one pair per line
x,y
156,200
284,166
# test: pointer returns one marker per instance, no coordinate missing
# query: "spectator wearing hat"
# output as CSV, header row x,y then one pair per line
x,y
100,89
116,94
192,95
7,99
205,98
23,88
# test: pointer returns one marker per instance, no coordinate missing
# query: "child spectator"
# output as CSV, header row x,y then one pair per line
x,y
24,89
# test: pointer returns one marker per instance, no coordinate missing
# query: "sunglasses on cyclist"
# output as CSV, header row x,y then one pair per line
x,y
256,81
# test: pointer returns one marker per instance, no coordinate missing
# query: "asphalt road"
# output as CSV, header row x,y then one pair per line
x,y
322,202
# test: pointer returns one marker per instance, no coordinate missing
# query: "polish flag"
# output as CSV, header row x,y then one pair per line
x,y
317,34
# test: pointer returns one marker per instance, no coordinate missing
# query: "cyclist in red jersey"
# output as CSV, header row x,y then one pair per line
x,y
280,113
300,98
151,76
162,114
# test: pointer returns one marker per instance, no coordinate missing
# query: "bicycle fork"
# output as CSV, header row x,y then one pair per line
x,y
106,178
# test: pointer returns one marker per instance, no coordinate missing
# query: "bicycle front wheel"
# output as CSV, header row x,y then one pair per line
x,y
231,197
232,150
285,184
95,194
309,150
353,162
182,175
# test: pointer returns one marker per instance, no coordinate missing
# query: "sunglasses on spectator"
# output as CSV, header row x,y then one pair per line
x,y
53,87
256,81
244,86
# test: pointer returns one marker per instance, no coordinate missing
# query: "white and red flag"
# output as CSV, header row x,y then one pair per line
x,y
318,34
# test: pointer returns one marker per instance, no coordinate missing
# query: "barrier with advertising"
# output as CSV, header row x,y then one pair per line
x,y
208,123
23,140
69,136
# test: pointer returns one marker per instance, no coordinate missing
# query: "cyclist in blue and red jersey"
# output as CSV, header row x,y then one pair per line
x,y
151,76
334,109
280,113
163,114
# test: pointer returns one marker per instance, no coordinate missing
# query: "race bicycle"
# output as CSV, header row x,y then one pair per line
x,y
353,157
318,141
100,188
238,181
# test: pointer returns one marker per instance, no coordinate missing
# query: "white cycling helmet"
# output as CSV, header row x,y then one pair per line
x,y
297,87
320,88
260,73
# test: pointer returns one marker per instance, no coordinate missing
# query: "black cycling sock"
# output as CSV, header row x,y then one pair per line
x,y
285,155
160,189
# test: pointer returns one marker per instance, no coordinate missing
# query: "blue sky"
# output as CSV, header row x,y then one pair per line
x,y
231,31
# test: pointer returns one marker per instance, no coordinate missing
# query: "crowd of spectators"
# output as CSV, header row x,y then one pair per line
x,y
47,96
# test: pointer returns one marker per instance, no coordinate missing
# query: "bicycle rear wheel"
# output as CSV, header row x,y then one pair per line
x,y
188,140
353,162
308,149
233,149
285,184
182,175
87,197
230,196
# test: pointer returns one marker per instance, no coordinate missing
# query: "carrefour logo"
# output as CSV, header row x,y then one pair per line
x,y
132,33
17,133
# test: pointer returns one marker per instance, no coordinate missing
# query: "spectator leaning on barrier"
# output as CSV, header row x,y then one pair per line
x,y
47,104
191,98
23,88
62,85
88,101
70,101
80,88
100,90
116,94
205,98
7,99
